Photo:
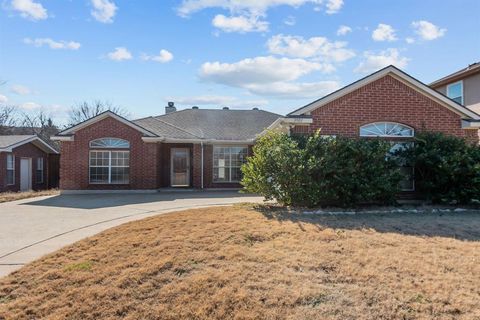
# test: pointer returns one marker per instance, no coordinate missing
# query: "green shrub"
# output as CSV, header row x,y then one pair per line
x,y
347,172
447,168
321,171
277,170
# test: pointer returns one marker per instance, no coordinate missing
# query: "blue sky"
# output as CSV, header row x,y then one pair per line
x,y
273,54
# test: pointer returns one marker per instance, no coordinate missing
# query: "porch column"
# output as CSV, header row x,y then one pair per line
x,y
197,165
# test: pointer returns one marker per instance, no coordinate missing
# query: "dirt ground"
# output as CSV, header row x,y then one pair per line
x,y
247,262
12,196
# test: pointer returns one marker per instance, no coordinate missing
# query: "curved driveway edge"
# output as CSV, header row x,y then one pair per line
x,y
31,228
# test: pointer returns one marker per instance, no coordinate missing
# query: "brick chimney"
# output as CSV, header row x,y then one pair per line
x,y
170,107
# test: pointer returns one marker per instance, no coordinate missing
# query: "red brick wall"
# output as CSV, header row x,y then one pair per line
x,y
74,166
25,151
385,99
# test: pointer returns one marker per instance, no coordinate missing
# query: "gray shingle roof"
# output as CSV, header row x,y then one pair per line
x,y
210,124
7,141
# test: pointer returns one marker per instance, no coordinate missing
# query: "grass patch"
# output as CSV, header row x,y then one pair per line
x,y
81,266
13,196
256,263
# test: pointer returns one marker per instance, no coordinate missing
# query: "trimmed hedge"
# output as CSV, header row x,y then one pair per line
x,y
316,170
447,168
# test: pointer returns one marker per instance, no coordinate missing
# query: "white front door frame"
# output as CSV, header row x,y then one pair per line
x,y
25,174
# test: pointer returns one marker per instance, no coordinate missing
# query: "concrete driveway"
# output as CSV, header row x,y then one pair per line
x,y
34,227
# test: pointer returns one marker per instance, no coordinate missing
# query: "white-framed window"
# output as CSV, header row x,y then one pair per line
x,y
455,91
386,130
110,143
109,167
227,161
10,169
394,130
39,172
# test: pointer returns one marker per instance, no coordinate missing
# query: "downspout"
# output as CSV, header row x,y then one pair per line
x,y
201,170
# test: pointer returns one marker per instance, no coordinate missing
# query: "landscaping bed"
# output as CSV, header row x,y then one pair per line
x,y
259,262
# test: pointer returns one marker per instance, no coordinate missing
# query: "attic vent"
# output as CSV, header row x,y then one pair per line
x,y
195,108
226,108
255,108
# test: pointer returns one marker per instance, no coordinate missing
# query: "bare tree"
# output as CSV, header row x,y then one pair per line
x,y
86,110
39,123
8,118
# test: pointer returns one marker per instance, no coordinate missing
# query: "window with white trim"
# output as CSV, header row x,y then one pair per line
x,y
113,143
394,130
386,129
10,169
227,161
455,91
109,166
39,172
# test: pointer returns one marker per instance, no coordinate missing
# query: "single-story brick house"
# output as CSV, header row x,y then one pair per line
x,y
27,163
205,148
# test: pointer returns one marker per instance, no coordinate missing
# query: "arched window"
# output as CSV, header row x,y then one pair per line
x,y
109,165
386,129
110,143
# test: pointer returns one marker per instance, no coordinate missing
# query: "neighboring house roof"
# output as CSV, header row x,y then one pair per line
x,y
8,143
210,124
458,75
399,75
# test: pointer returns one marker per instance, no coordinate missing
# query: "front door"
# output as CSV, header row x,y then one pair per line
x,y
25,174
180,167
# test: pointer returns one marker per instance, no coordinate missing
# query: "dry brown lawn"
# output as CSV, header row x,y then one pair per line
x,y
258,263
12,196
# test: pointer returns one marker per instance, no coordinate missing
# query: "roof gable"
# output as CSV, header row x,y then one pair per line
x,y
71,131
399,75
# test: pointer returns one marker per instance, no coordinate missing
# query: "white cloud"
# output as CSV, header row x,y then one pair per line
x,y
189,7
290,21
268,76
248,15
374,62
240,24
214,100
163,57
427,30
104,10
409,40
30,9
319,47
3,99
292,90
39,42
343,30
384,32
20,90
29,106
259,70
333,6
120,54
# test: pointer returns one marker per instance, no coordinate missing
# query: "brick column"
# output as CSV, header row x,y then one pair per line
x,y
197,165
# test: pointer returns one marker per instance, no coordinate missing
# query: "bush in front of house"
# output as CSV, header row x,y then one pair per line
x,y
447,168
321,171
277,170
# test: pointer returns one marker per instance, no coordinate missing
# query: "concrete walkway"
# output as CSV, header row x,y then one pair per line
x,y
34,227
